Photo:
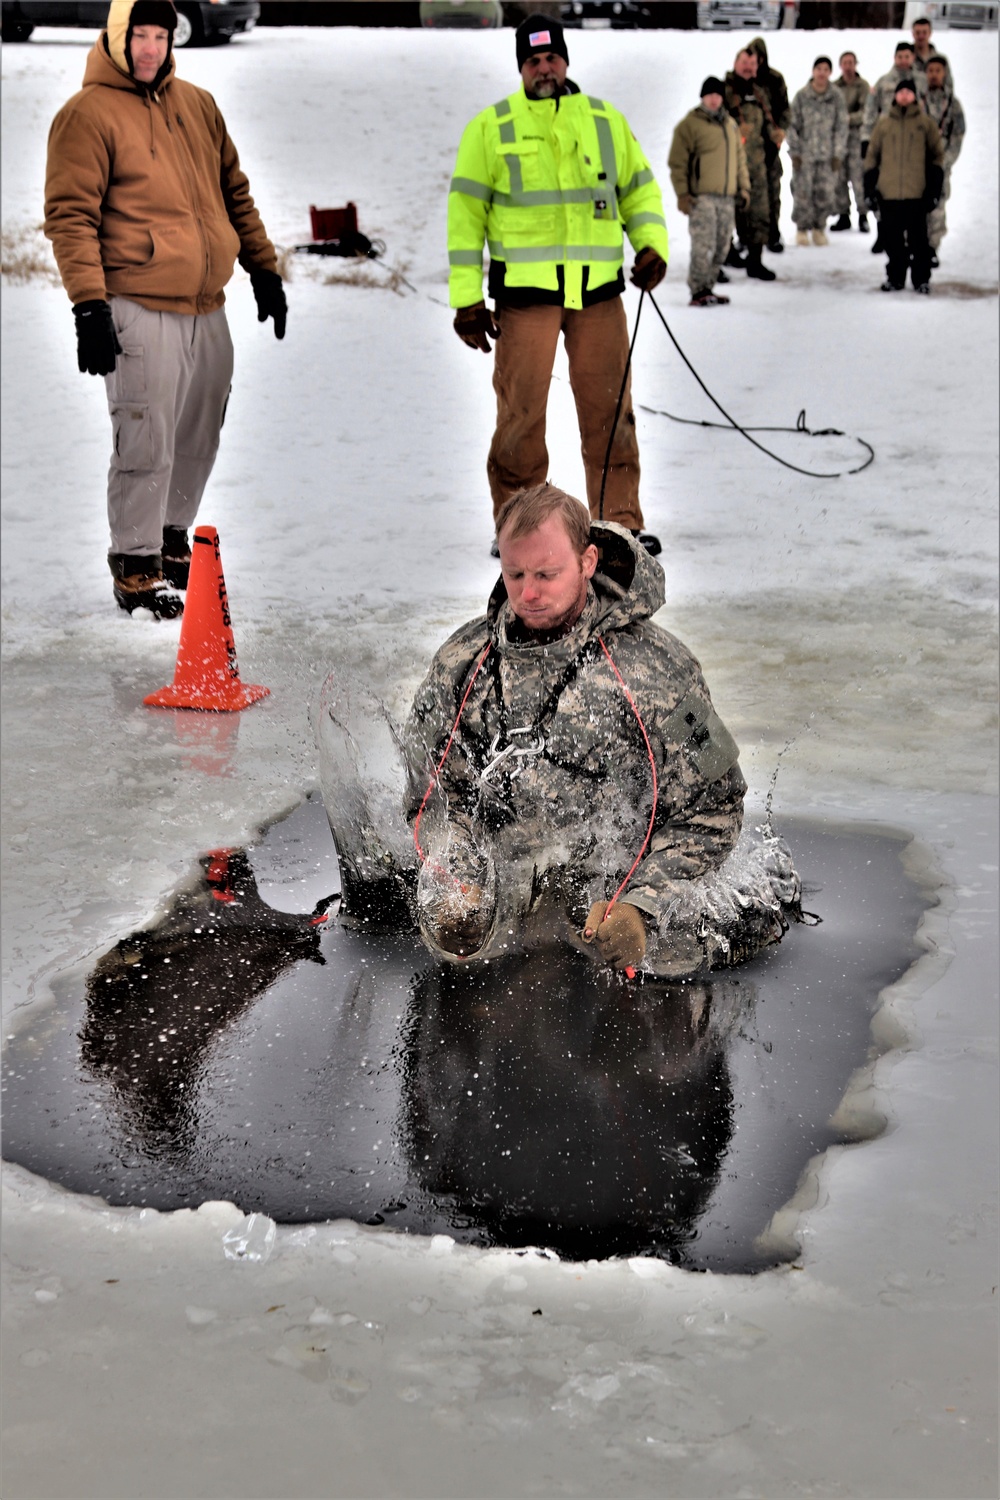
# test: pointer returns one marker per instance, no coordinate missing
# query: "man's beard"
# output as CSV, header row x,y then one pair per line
x,y
546,89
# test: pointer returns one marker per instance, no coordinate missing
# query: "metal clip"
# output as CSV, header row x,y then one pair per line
x,y
519,752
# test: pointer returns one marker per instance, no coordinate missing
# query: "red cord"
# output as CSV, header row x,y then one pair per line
x,y
444,756
649,752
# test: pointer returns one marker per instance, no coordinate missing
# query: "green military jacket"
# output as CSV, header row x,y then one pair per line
x,y
855,98
904,145
707,156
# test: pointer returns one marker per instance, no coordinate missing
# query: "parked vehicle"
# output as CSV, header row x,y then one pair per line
x,y
747,15
468,13
956,15
602,14
198,24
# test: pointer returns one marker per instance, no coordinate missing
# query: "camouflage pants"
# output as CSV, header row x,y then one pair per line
x,y
851,176
754,223
813,194
711,224
774,176
937,224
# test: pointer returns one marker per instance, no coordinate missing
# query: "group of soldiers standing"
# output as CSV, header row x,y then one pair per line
x,y
726,167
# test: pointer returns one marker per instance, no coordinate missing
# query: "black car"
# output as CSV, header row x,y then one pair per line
x,y
198,24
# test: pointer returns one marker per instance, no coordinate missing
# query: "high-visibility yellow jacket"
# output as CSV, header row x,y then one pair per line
x,y
548,187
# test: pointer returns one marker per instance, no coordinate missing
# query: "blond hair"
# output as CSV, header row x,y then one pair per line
x,y
530,508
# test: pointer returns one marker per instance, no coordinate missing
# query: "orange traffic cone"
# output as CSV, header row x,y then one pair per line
x,y
206,675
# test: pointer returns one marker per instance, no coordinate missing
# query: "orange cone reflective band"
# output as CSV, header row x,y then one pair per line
x,y
206,675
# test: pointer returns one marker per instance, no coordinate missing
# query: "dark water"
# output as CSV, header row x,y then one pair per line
x,y
311,1072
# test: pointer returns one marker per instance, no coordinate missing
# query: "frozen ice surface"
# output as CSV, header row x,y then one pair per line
x,y
852,618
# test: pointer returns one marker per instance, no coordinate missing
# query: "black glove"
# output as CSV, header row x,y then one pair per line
x,y
97,345
476,325
872,195
270,297
649,270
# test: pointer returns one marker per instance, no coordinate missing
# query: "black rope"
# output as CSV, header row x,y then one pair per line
x,y
618,408
800,425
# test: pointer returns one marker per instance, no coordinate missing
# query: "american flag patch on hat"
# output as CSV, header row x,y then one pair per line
x,y
539,39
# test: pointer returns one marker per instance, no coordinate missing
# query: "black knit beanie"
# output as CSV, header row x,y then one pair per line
x,y
713,86
904,83
539,34
153,13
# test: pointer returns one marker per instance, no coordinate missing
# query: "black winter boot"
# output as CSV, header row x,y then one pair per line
x,y
734,259
176,556
863,223
844,222
755,266
139,584
648,540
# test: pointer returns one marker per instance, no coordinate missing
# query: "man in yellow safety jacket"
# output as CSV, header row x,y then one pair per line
x,y
548,179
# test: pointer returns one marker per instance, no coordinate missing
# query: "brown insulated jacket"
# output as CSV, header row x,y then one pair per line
x,y
707,156
905,145
144,195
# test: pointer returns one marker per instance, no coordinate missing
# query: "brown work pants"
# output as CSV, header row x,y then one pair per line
x,y
597,349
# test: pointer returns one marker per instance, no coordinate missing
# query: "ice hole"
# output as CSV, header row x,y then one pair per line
x,y
243,1050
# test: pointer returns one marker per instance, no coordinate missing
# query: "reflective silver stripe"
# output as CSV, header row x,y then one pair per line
x,y
471,188
516,180
639,180
609,162
638,219
528,254
596,103
465,257
543,197
502,109
508,134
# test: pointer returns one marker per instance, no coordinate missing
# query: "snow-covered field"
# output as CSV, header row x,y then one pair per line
x,y
850,620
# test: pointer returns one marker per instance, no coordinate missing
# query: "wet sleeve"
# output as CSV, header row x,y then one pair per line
x,y
425,738
700,799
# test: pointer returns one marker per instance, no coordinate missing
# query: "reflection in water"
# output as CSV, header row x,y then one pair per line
x,y
156,1002
310,1071
557,1107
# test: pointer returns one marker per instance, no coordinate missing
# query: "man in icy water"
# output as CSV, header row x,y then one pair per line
x,y
564,757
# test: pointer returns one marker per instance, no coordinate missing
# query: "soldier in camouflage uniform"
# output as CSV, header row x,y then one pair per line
x,y
773,83
817,143
879,101
947,113
526,749
855,90
750,107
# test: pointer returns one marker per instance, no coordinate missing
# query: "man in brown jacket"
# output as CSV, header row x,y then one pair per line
x,y
904,177
147,210
708,169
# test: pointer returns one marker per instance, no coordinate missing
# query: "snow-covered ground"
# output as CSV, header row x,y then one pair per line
x,y
850,620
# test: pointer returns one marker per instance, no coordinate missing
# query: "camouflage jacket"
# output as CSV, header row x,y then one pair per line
x,y
578,799
920,70
948,115
774,82
750,107
818,127
855,98
883,92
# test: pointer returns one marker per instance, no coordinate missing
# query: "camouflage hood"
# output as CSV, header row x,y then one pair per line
x,y
627,587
